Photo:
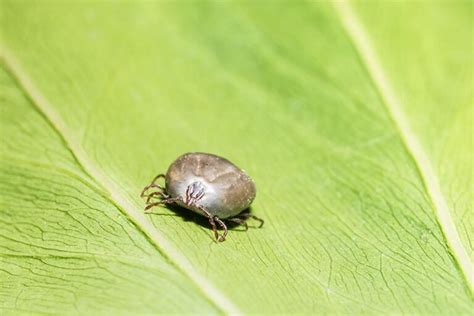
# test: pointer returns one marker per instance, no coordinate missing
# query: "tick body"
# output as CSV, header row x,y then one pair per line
x,y
207,184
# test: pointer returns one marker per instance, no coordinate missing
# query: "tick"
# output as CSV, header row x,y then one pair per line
x,y
206,184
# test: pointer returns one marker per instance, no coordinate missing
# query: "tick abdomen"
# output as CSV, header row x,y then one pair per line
x,y
227,190
206,184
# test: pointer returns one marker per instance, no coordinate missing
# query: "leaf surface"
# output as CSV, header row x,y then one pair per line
x,y
353,128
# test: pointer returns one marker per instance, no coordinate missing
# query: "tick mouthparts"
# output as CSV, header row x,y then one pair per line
x,y
194,192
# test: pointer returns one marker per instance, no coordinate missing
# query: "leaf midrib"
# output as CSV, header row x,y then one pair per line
x,y
368,58
113,193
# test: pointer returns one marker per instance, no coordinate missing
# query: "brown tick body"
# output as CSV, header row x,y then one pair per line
x,y
208,185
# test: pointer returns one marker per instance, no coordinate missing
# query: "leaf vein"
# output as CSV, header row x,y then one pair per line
x,y
116,196
369,59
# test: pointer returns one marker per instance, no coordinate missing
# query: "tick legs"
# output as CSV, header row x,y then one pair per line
x,y
153,185
161,194
240,222
221,223
162,202
242,219
212,220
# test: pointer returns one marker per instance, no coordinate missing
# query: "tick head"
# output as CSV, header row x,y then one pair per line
x,y
194,192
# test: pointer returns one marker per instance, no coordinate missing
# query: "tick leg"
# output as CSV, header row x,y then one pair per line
x,y
153,185
240,222
248,215
214,228
162,195
162,202
222,224
212,221
258,219
159,187
161,175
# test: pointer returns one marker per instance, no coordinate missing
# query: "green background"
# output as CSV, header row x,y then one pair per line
x,y
98,97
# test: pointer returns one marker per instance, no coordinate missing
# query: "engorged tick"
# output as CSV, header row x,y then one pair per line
x,y
208,185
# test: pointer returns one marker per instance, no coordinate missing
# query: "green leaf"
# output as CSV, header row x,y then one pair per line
x,y
354,119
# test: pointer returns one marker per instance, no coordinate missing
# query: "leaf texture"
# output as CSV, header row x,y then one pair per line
x,y
98,98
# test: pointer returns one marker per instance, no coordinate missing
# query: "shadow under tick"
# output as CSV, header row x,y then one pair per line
x,y
202,221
